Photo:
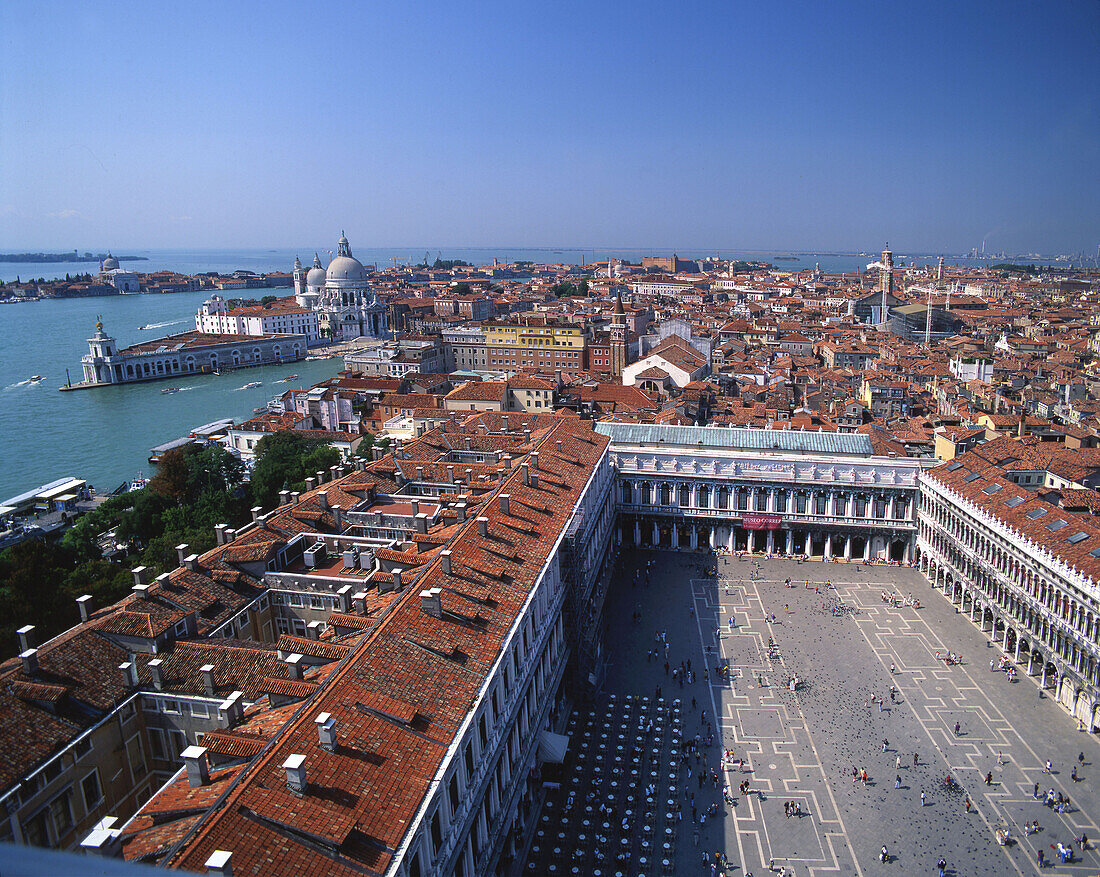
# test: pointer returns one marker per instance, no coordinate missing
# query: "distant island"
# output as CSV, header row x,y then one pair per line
x,y
74,256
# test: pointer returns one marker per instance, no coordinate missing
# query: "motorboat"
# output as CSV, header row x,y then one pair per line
x,y
34,379
170,390
252,385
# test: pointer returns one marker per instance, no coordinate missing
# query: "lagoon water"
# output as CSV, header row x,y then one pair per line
x,y
104,434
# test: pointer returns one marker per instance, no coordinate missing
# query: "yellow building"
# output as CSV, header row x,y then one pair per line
x,y
536,342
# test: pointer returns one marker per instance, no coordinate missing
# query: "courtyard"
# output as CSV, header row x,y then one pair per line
x,y
846,646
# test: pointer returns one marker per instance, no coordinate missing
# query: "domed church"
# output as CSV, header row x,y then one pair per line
x,y
341,295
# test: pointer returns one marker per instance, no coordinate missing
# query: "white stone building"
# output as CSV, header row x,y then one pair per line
x,y
341,295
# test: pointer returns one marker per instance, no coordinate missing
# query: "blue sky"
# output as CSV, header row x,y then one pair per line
x,y
732,125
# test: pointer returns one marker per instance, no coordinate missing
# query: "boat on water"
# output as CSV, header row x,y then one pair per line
x,y
143,328
34,379
170,390
289,378
252,385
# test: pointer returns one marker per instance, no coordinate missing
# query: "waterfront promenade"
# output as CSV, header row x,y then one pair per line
x,y
802,746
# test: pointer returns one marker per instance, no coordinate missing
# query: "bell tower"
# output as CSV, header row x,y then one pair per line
x,y
618,337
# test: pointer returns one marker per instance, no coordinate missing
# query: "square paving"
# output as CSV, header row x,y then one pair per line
x,y
804,746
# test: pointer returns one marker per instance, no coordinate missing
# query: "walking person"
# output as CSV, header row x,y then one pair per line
x,y
942,865
922,799
897,781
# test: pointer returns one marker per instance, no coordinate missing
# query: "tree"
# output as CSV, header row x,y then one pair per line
x,y
268,299
462,289
287,458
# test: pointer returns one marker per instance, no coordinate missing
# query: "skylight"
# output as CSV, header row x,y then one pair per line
x,y
953,465
1077,537
1014,501
991,489
973,476
1035,514
1055,526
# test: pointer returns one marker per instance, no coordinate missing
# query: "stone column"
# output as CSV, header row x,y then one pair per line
x,y
1016,657
847,547
732,542
867,549
637,533
712,537
694,536
1091,723
828,546
656,535
771,541
675,536
790,542
1004,639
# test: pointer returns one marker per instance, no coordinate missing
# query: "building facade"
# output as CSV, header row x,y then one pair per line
x,y
216,317
790,493
341,295
187,353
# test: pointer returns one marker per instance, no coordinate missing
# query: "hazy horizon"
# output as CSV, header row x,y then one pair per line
x,y
758,127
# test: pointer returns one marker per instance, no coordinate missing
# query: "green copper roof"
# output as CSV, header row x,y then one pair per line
x,y
738,439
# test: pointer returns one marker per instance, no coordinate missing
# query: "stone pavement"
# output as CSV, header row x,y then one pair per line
x,y
803,746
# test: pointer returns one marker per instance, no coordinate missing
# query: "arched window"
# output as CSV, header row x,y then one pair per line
x,y
704,497
742,499
665,494
685,495
628,493
647,492
723,497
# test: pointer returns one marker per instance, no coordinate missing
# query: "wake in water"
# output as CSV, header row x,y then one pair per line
x,y
27,383
162,325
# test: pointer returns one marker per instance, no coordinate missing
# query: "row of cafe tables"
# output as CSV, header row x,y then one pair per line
x,y
615,760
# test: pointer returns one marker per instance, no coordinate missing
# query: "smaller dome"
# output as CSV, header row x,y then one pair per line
x,y
315,277
297,263
110,263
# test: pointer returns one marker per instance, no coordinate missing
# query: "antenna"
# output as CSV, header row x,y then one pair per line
x,y
928,320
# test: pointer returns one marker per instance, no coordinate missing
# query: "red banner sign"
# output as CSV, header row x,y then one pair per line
x,y
761,522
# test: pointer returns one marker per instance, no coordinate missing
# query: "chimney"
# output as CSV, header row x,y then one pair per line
x,y
416,506
26,637
534,459
191,562
559,447
207,671
141,591
231,710
469,476
313,630
345,600
504,422
294,666
397,579
141,575
295,767
526,469
197,764
84,604
30,661
338,517
445,557
334,473
507,459
311,483
527,436
284,497
460,508
504,497
162,579
535,480
451,474
129,674
322,498
158,676
219,533
295,496
483,526
321,479
431,601
103,840
419,473
359,601
257,511
220,864
326,732
421,523
182,550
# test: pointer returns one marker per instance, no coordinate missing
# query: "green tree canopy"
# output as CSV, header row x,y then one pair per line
x,y
285,460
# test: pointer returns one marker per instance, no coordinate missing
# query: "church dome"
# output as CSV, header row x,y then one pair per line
x,y
346,268
110,263
315,277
